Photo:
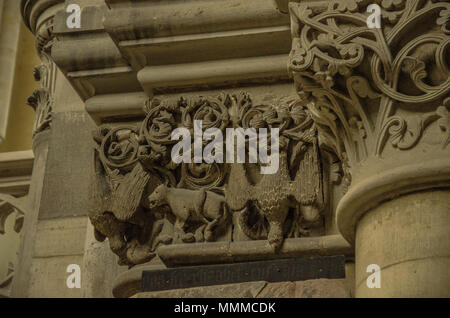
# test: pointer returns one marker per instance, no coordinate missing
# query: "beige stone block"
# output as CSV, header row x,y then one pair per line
x,y
278,290
49,276
59,237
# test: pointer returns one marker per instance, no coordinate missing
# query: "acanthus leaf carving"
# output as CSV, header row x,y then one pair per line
x,y
363,86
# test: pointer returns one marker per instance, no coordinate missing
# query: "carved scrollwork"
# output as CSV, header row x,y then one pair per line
x,y
359,83
119,147
141,198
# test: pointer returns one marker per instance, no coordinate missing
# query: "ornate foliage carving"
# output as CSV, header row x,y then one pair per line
x,y
41,100
141,198
367,87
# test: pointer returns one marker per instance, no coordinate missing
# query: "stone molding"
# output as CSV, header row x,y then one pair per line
x,y
231,252
15,172
134,46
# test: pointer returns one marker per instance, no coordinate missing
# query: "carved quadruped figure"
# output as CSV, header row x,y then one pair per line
x,y
142,199
205,207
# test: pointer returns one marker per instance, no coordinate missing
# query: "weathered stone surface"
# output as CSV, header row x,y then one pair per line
x,y
23,277
321,288
69,162
314,288
278,290
49,275
60,236
98,281
138,183
415,230
244,290
317,288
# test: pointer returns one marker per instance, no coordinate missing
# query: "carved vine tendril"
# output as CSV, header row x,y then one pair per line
x,y
346,72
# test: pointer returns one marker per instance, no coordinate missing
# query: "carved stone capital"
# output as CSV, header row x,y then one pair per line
x,y
143,200
379,97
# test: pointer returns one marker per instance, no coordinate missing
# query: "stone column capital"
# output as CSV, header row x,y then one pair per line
x,y
380,96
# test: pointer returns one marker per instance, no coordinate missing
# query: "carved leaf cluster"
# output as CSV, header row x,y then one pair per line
x,y
355,79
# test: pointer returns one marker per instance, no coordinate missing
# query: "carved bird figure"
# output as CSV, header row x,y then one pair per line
x,y
275,194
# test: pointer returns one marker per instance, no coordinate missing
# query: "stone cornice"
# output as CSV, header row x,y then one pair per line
x,y
15,172
135,39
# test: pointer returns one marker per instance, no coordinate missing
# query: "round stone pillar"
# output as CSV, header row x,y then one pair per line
x,y
398,220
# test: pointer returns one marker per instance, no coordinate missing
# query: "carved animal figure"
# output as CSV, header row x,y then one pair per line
x,y
275,193
202,206
114,212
